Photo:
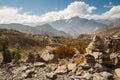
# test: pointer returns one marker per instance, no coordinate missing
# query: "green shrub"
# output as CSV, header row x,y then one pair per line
x,y
23,55
16,52
4,48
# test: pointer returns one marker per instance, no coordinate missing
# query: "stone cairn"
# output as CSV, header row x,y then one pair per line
x,y
97,45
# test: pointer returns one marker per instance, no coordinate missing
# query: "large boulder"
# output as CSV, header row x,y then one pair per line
x,y
48,55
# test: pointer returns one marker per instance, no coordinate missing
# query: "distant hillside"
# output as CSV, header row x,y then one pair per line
x,y
112,29
30,42
49,30
26,41
76,25
43,29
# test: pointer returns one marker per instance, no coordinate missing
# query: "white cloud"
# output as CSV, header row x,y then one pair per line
x,y
13,15
113,13
77,8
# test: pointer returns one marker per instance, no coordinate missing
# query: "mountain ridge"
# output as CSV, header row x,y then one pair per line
x,y
43,29
111,30
76,25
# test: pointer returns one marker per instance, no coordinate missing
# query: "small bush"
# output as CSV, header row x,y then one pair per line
x,y
15,54
64,51
23,55
4,48
7,56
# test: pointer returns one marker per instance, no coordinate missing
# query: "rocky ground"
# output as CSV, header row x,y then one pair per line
x,y
95,64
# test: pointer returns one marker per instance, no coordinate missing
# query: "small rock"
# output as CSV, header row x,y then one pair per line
x,y
51,67
61,69
106,75
51,75
97,76
19,69
23,75
99,68
87,76
39,64
72,67
29,70
102,76
96,54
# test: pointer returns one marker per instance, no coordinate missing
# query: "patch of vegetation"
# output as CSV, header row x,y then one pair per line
x,y
4,48
64,51
9,55
81,45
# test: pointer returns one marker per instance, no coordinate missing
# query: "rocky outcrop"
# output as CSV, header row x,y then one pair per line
x,y
96,45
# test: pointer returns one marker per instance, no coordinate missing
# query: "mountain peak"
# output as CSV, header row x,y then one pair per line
x,y
76,25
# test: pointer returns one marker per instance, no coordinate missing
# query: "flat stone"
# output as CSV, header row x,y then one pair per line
x,y
97,76
19,69
39,64
106,74
87,76
61,69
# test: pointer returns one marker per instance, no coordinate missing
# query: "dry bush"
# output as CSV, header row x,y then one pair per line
x,y
81,45
64,51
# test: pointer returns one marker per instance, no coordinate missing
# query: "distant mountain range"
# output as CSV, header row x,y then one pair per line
x,y
77,25
111,30
65,27
43,29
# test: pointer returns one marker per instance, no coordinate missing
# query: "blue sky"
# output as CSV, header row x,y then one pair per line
x,y
36,11
39,7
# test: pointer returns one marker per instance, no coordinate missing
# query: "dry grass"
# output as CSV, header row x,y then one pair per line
x,y
64,51
80,45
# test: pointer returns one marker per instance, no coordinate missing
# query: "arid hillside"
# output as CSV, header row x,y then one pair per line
x,y
38,42
26,41
113,29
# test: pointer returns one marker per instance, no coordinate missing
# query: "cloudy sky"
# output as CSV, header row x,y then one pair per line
x,y
37,11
